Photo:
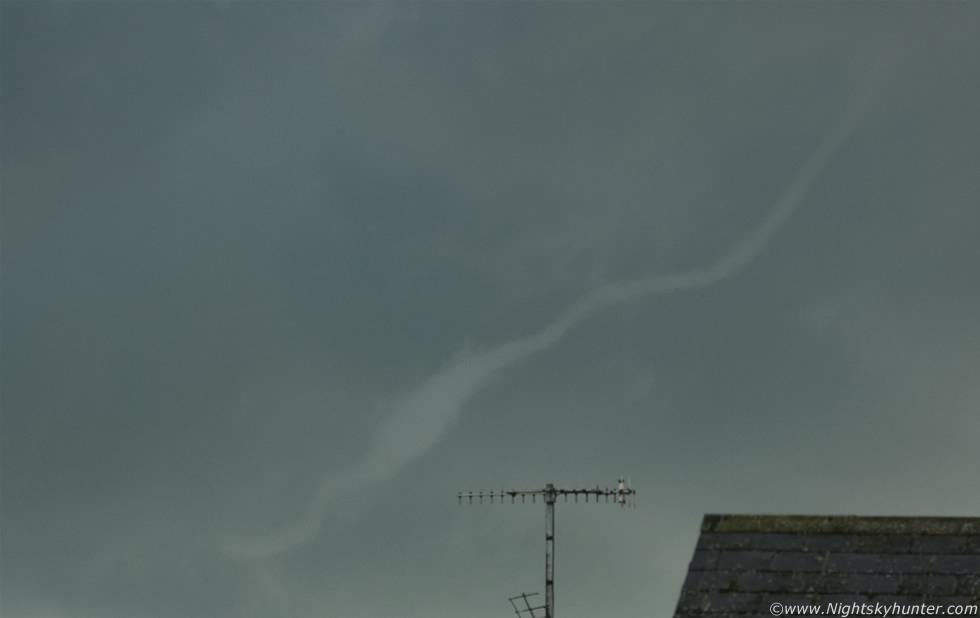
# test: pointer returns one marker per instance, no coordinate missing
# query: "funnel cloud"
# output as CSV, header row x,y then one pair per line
x,y
420,418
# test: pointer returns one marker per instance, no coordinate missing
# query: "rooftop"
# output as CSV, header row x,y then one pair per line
x,y
745,563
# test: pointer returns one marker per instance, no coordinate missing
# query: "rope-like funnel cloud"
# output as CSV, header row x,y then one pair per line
x,y
420,418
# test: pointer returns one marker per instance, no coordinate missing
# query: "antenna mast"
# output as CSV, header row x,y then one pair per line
x,y
623,494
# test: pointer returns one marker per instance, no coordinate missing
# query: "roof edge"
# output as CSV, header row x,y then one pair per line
x,y
841,524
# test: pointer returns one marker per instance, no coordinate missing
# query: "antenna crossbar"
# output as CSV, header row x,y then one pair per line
x,y
501,496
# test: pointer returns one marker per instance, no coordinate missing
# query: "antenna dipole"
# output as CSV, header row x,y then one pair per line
x,y
623,494
528,609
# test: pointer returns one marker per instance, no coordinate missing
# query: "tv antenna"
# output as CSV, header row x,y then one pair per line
x,y
623,494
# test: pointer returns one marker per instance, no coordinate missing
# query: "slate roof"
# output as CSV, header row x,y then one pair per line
x,y
744,563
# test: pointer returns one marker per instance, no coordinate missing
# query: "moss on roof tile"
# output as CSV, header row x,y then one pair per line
x,y
840,524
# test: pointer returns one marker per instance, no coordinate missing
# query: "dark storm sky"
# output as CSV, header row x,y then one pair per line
x,y
280,279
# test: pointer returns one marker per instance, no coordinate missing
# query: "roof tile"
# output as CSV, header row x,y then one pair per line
x,y
818,583
786,599
905,563
710,540
953,544
863,582
881,543
708,580
745,560
845,599
798,561
963,563
968,584
852,563
928,584
779,542
738,602
762,581
704,560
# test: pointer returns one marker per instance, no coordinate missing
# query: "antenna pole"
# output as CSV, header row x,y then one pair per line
x,y
549,550
623,494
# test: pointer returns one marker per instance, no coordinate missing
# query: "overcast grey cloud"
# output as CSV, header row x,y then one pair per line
x,y
279,279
